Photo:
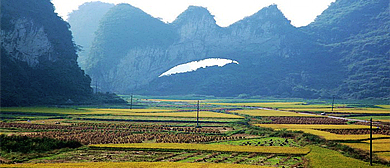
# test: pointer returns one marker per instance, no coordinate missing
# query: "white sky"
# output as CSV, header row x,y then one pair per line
x,y
226,12
194,65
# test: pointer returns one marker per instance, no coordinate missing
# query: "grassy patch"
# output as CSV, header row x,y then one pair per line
x,y
326,158
208,147
384,155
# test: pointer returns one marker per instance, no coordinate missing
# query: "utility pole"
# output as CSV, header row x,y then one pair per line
x,y
197,116
332,103
371,141
96,87
131,101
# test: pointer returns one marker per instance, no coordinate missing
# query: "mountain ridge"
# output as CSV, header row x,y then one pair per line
x,y
275,57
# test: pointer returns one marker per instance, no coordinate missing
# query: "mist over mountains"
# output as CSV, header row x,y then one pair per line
x,y
344,52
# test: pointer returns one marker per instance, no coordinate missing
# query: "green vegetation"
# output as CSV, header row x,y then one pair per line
x,y
322,157
23,148
25,144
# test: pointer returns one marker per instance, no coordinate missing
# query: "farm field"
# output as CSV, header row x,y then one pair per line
x,y
376,147
161,118
374,118
160,132
263,112
312,126
316,129
133,164
80,111
321,157
209,147
342,110
384,155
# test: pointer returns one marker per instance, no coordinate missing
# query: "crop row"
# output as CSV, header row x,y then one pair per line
x,y
39,126
357,131
305,120
127,164
150,128
207,147
121,137
108,127
204,159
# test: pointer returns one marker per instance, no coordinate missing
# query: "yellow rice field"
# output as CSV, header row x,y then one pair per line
x,y
384,106
131,165
271,113
376,147
311,126
382,120
384,155
326,158
173,100
339,137
121,112
104,111
40,110
79,111
210,147
342,110
271,105
379,141
205,114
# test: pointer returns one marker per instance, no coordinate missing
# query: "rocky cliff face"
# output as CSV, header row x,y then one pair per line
x,y
26,42
38,56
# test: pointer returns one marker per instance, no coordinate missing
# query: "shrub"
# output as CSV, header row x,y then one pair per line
x,y
26,144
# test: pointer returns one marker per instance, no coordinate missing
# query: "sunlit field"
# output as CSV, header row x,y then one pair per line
x,y
311,126
271,113
209,147
159,132
322,157
315,130
342,110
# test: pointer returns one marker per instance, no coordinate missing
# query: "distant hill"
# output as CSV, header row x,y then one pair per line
x,y
345,52
38,56
84,23
358,32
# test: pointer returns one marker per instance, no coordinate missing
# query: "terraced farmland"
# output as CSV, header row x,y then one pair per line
x,y
166,132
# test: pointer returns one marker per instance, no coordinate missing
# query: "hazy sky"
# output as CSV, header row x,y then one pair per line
x,y
194,65
226,12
